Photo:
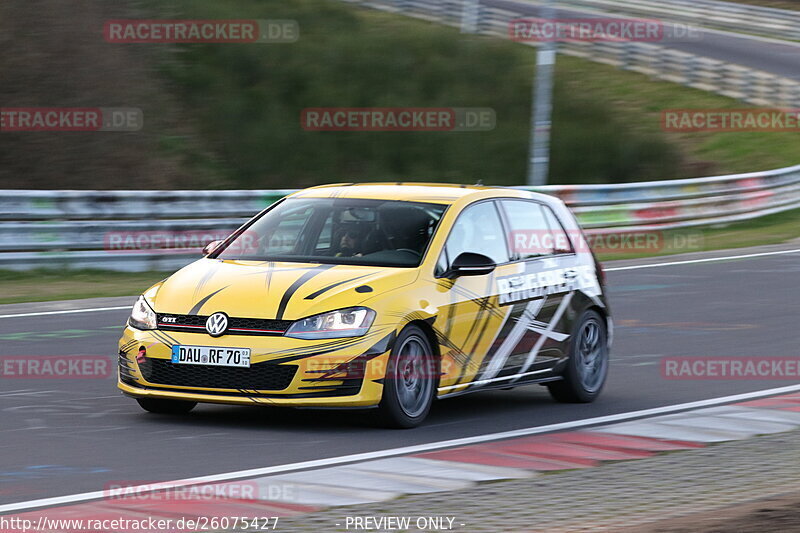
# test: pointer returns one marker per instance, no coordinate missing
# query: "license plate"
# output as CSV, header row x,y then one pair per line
x,y
211,356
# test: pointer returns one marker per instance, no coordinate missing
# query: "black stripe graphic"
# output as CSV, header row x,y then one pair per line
x,y
322,349
196,309
165,339
307,355
268,277
296,285
128,345
484,307
215,266
332,286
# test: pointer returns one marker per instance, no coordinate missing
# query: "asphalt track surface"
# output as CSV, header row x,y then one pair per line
x,y
60,437
769,55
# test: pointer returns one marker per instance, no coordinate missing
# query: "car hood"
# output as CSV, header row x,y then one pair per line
x,y
258,289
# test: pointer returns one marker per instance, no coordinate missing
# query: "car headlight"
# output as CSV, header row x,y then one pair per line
x,y
351,322
142,316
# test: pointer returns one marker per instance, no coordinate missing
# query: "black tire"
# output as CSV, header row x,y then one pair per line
x,y
412,377
587,366
166,407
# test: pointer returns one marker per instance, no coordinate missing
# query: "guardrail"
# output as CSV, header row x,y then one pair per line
x,y
682,203
731,16
743,18
135,205
158,230
711,75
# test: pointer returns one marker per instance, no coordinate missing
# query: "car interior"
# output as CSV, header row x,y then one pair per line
x,y
390,233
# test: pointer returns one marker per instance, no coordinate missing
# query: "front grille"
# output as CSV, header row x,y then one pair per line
x,y
260,376
236,326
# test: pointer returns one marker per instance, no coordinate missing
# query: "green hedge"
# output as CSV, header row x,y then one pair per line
x,y
247,100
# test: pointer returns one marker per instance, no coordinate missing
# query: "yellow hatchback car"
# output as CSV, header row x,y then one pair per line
x,y
376,295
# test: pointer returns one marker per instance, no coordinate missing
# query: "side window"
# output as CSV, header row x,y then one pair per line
x,y
535,231
478,230
561,242
284,238
325,239
441,264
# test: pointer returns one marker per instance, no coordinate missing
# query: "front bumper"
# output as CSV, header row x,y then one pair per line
x,y
284,371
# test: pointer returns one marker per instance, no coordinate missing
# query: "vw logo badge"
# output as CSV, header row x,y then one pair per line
x,y
217,324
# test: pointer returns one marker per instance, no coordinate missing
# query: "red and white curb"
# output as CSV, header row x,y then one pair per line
x,y
457,468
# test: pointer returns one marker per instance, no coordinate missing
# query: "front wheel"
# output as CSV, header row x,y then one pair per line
x,y
166,407
587,366
410,382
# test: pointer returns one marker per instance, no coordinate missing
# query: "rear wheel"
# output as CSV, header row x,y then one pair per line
x,y
587,366
166,407
410,382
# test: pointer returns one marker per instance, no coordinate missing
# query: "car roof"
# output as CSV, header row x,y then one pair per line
x,y
440,193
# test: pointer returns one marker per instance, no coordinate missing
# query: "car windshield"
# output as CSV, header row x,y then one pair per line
x,y
339,231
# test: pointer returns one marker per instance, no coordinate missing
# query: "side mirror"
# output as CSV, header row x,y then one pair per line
x,y
210,247
470,264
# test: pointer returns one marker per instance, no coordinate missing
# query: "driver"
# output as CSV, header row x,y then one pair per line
x,y
350,243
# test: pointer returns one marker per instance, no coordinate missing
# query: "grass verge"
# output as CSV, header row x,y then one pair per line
x,y
46,285
771,229
793,5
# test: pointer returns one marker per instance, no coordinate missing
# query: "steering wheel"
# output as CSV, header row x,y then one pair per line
x,y
376,241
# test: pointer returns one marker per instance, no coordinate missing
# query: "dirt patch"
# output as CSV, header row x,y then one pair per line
x,y
772,515
55,55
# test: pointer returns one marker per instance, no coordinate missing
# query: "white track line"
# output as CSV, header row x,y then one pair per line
x,y
706,260
407,450
613,269
67,311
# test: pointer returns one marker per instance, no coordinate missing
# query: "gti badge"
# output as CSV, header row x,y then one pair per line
x,y
217,324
